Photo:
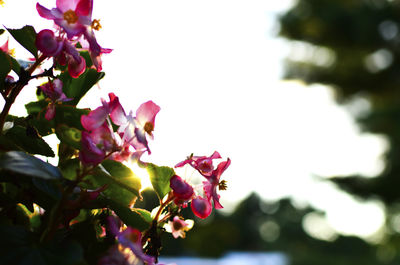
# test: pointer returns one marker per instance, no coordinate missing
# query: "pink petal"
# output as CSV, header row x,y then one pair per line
x,y
4,47
210,189
76,68
90,153
147,112
94,119
221,168
84,8
51,112
65,5
44,12
117,114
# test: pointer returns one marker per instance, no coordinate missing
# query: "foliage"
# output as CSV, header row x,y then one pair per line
x,y
360,43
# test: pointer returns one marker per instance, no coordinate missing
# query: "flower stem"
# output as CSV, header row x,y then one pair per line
x,y
24,78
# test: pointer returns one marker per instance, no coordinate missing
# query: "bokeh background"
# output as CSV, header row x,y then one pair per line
x,y
302,95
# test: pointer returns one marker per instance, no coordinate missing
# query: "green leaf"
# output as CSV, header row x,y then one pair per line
x,y
36,106
76,88
160,177
1,31
69,135
130,217
22,163
69,168
5,67
26,36
70,116
123,186
25,141
20,246
146,215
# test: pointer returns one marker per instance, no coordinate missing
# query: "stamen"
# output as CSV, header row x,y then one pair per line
x,y
96,24
70,16
149,127
222,185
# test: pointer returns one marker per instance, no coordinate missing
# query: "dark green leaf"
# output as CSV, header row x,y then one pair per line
x,y
123,185
146,215
69,168
16,67
70,116
160,177
1,31
76,88
26,36
5,67
20,246
129,216
36,106
28,140
22,163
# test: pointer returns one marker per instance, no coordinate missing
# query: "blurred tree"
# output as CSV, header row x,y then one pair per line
x,y
354,47
256,225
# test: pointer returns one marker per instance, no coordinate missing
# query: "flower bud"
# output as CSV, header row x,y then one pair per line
x,y
181,189
201,207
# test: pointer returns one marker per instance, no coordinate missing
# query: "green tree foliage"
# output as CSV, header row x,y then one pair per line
x,y
354,47
256,225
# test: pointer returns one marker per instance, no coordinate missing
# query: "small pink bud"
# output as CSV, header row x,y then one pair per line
x,y
201,207
47,43
181,189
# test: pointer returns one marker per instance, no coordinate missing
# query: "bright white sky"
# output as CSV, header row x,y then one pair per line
x,y
214,67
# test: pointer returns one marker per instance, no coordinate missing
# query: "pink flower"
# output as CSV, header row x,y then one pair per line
x,y
130,238
74,16
178,227
62,50
204,165
135,129
210,186
53,90
90,154
201,207
97,117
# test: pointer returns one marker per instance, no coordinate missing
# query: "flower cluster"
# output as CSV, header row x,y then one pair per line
x,y
54,93
99,140
184,192
74,25
92,188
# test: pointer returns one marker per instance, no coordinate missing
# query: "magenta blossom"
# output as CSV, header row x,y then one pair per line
x,y
130,238
135,129
210,186
204,165
73,16
90,154
62,51
97,117
53,90
178,227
